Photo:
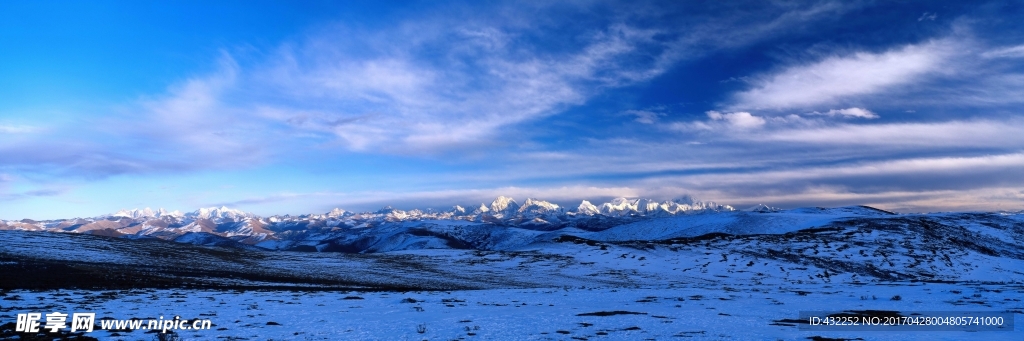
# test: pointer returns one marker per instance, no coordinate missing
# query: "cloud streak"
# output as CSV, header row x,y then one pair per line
x,y
17,129
30,194
397,98
849,112
836,79
1005,52
959,134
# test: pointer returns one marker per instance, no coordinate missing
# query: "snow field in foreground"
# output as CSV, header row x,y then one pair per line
x,y
689,313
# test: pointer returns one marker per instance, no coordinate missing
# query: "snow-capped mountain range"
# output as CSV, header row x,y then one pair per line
x,y
236,226
202,213
501,208
804,258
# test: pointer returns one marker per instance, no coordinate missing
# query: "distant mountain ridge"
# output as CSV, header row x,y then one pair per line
x,y
249,229
204,213
501,207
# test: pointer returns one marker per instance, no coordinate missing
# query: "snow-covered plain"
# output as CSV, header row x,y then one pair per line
x,y
696,312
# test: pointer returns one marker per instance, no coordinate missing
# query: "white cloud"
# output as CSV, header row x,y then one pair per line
x,y
746,127
17,129
195,120
849,112
420,91
644,116
1006,52
741,120
959,134
899,167
838,78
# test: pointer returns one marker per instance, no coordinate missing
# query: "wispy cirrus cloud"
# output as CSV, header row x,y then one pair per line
x,y
837,78
930,135
280,197
17,129
48,192
849,112
1005,52
644,116
743,126
399,98
188,128
931,167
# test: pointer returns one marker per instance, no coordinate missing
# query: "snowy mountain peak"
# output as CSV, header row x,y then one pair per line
x,y
587,208
502,202
481,210
135,213
620,206
220,212
504,205
145,213
337,212
538,206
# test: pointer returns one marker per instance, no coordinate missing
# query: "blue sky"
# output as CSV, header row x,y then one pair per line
x,y
283,107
